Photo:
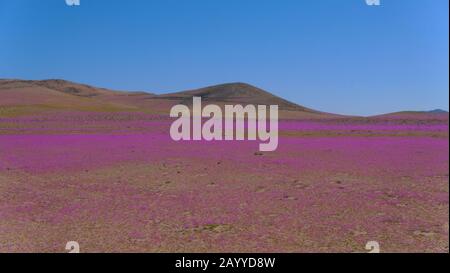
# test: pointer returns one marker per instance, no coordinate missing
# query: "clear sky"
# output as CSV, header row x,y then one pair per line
x,y
338,56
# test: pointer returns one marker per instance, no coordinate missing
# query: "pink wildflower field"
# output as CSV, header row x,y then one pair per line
x,y
117,182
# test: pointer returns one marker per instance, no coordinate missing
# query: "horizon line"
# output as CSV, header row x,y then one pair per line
x,y
442,111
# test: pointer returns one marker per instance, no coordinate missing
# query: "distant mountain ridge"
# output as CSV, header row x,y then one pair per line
x,y
72,93
234,93
438,111
57,93
72,88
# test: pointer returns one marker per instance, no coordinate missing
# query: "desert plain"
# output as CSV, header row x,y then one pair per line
x,y
97,166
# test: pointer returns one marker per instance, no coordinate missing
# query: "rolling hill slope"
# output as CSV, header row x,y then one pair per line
x,y
27,96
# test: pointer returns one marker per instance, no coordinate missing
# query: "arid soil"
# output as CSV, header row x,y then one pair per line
x,y
110,177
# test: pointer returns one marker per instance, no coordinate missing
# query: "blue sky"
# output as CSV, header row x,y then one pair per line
x,y
337,56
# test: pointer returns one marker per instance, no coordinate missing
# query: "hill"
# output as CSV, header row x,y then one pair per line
x,y
235,93
28,96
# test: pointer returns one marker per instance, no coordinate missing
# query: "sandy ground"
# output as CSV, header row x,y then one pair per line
x,y
116,182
